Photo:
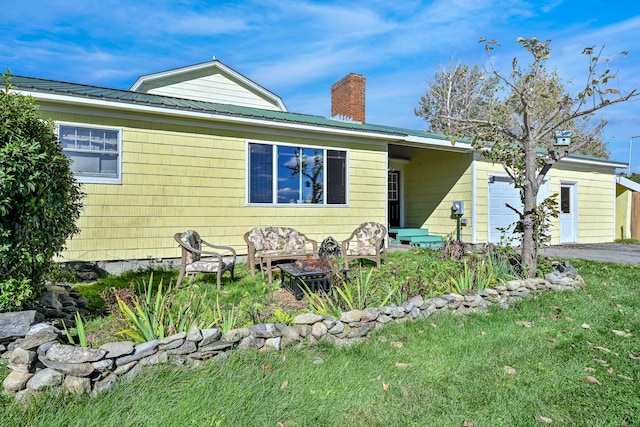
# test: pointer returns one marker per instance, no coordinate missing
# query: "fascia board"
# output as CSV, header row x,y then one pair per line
x,y
212,116
443,144
592,162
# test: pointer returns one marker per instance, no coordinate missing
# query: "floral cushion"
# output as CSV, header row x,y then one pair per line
x,y
367,236
192,239
203,266
276,239
369,233
362,250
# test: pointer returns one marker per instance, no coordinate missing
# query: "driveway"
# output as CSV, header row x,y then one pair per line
x,y
621,253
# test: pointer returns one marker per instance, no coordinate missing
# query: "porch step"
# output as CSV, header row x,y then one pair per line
x,y
407,234
427,241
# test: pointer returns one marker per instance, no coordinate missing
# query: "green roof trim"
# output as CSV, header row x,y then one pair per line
x,y
33,84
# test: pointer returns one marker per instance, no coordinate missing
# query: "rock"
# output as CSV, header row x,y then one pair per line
x,y
272,344
20,356
417,301
235,335
437,302
513,285
123,369
17,323
37,339
318,329
264,330
186,348
360,331
105,385
141,350
194,334
428,311
303,330
307,319
45,378
103,365
338,329
351,316
290,333
414,313
16,381
173,344
172,338
216,346
133,372
329,322
77,385
370,314
160,357
553,277
42,349
73,354
251,342
43,327
24,395
391,311
383,318
117,349
408,306
209,335
74,369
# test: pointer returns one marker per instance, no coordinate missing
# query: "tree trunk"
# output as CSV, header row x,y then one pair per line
x,y
529,243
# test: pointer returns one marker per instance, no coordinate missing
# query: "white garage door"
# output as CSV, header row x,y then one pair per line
x,y
501,193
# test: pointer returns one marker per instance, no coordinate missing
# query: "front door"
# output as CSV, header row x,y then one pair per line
x,y
567,213
393,197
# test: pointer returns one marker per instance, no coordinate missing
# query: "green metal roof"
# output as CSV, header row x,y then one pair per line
x,y
33,84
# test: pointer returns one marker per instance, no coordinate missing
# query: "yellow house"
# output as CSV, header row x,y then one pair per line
x,y
627,208
204,148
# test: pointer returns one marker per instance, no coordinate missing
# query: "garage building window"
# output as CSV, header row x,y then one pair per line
x,y
94,152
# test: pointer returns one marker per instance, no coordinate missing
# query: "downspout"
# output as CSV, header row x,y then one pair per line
x,y
473,199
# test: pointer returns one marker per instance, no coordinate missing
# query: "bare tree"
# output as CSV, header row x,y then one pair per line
x,y
527,107
457,92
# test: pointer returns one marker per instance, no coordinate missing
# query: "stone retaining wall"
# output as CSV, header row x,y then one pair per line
x,y
39,361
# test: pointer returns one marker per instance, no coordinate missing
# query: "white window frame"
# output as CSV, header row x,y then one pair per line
x,y
94,178
275,203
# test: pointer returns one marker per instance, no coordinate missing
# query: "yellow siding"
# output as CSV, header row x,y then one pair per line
x,y
595,203
623,212
433,181
176,178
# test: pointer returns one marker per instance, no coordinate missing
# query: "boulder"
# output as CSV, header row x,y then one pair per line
x,y
15,324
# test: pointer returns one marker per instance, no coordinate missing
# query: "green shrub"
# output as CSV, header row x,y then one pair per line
x,y
40,199
14,293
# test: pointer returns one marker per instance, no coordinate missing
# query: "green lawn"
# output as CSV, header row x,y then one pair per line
x,y
514,367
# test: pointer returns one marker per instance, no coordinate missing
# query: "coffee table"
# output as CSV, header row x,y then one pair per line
x,y
298,274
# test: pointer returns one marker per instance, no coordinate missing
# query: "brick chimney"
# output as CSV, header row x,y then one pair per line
x,y
347,97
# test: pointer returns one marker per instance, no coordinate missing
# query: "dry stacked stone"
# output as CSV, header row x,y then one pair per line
x,y
39,360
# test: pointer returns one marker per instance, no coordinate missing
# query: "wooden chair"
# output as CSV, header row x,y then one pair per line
x,y
366,242
197,259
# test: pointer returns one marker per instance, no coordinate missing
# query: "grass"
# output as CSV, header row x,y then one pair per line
x,y
502,368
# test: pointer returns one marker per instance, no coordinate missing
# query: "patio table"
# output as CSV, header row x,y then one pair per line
x,y
296,275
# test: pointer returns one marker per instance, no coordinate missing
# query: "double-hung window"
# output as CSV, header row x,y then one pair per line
x,y
94,152
286,174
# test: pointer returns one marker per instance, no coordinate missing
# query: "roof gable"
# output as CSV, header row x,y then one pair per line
x,y
211,82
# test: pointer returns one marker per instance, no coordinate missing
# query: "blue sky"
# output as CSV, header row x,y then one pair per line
x,y
299,48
